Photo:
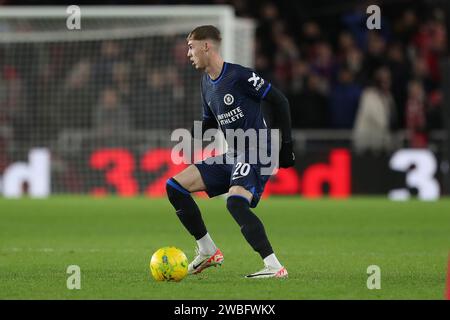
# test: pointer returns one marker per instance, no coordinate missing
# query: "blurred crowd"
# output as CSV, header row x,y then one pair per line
x,y
109,86
336,72
342,75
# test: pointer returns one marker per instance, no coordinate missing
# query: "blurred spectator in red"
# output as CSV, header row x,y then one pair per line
x,y
415,115
431,43
434,111
420,71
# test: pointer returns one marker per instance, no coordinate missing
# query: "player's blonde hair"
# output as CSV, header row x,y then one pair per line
x,y
208,32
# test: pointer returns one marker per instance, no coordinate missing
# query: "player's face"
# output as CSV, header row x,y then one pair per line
x,y
196,54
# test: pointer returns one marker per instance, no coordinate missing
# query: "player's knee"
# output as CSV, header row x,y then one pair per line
x,y
240,191
239,206
175,190
237,202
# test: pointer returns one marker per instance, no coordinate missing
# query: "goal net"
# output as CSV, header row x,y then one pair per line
x,y
104,99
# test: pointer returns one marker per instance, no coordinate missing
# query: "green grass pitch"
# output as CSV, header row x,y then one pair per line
x,y
326,246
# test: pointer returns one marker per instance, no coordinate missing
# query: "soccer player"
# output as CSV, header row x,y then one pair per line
x,y
231,96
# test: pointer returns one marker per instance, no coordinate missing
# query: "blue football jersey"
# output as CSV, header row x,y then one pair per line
x,y
233,99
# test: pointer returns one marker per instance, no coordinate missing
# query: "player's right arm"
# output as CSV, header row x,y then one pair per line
x,y
208,119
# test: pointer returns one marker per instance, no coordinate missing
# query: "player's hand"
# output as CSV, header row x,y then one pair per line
x,y
287,156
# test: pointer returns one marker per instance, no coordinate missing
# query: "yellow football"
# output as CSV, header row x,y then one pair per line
x,y
169,264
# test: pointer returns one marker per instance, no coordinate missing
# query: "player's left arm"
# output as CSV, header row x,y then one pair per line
x,y
280,104
261,90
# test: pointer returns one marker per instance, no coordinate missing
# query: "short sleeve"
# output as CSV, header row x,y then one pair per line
x,y
253,84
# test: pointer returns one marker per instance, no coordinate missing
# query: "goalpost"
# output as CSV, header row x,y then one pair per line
x,y
104,99
118,22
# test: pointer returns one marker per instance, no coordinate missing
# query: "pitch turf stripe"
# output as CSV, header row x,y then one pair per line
x,y
447,294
